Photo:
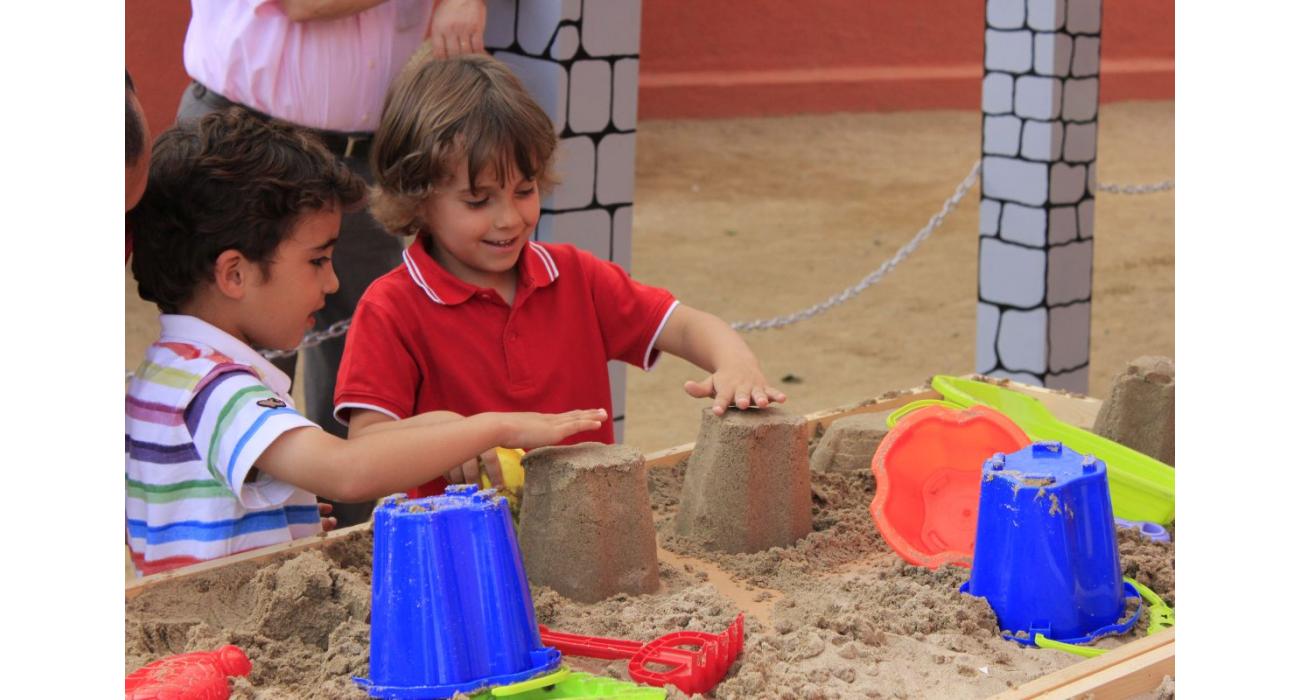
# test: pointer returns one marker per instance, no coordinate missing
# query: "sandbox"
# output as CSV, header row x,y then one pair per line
x,y
836,615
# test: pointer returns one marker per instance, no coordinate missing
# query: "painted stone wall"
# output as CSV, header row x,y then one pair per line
x,y
580,62
1041,61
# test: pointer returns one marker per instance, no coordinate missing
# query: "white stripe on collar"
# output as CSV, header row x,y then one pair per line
x,y
418,278
191,329
547,261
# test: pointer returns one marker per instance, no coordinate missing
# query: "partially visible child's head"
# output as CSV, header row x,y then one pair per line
x,y
229,182
442,115
137,147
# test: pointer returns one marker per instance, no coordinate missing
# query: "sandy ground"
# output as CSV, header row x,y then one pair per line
x,y
753,218
835,615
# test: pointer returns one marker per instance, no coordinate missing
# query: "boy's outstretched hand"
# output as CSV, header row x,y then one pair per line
x,y
529,430
742,389
525,431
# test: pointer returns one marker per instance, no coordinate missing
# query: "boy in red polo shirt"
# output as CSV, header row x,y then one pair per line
x,y
479,317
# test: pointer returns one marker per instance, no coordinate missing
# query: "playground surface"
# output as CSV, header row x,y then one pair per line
x,y
755,218
836,615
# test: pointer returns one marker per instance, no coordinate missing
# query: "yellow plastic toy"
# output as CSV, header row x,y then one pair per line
x,y
512,470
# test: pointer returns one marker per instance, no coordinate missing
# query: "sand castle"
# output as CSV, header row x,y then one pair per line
x,y
1139,412
585,527
747,486
850,443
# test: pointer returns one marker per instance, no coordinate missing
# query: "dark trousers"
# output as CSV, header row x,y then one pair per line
x,y
364,252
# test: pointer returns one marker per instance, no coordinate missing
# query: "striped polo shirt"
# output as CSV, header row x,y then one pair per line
x,y
200,410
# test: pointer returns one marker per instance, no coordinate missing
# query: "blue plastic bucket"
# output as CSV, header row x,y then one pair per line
x,y
1045,557
450,607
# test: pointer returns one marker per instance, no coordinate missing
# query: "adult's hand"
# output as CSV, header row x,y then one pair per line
x,y
457,27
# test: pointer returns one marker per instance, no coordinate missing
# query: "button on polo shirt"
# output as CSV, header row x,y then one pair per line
x,y
423,340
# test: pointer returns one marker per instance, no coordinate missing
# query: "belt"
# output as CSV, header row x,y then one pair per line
x,y
346,145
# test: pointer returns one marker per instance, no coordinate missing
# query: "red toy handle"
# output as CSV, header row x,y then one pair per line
x,y
199,675
590,647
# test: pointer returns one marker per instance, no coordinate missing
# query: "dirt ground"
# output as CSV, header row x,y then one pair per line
x,y
754,218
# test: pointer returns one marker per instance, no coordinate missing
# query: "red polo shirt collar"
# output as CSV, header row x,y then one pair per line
x,y
536,269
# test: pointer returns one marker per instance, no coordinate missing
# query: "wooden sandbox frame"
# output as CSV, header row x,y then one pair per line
x,y
1136,667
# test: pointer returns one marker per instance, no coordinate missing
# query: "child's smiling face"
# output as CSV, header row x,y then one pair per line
x,y
478,233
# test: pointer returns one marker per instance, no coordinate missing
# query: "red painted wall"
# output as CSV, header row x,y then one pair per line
x,y
769,57
155,33
724,58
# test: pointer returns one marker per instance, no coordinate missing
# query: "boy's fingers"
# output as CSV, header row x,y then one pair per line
x,y
760,397
325,508
580,425
699,390
456,475
493,468
590,414
328,524
741,397
776,395
470,470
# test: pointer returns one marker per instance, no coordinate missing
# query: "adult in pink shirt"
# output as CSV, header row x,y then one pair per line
x,y
324,65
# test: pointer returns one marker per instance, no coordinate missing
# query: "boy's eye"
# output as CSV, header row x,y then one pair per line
x,y
476,203
320,261
525,191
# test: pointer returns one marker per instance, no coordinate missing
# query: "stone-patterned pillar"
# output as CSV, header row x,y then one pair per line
x,y
1041,61
580,61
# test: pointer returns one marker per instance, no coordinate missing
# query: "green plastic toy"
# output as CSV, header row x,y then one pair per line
x,y
568,684
1161,617
1141,488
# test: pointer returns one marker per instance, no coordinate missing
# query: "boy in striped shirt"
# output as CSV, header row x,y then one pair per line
x,y
232,242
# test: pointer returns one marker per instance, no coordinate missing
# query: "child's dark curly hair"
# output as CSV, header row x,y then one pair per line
x,y
230,180
134,125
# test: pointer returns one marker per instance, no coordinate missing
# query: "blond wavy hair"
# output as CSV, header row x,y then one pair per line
x,y
438,112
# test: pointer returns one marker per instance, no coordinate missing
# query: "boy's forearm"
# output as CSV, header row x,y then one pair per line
x,y
418,421
373,465
395,459
703,339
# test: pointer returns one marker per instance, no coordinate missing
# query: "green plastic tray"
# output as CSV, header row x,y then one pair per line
x,y
572,684
1141,488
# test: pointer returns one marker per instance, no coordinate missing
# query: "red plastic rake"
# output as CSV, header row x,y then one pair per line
x,y
695,662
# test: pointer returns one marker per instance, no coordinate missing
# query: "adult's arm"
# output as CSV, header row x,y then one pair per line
x,y
307,10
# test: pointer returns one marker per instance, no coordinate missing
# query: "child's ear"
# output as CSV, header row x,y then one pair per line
x,y
232,274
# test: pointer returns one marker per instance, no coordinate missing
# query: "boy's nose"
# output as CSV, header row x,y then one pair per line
x,y
509,217
332,283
